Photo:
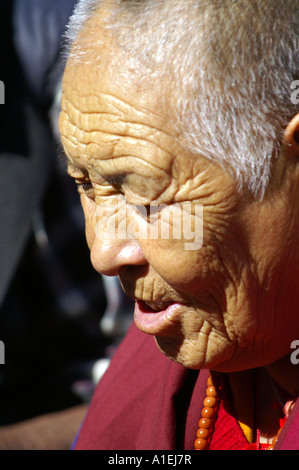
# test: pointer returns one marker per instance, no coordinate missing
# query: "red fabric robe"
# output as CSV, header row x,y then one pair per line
x,y
148,402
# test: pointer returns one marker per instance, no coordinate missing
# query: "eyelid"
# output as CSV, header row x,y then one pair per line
x,y
85,187
148,211
82,180
76,172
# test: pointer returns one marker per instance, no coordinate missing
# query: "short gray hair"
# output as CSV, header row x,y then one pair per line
x,y
233,61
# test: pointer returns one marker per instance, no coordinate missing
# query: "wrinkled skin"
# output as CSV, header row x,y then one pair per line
x,y
236,297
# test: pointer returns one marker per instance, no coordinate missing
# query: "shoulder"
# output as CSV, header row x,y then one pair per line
x,y
135,400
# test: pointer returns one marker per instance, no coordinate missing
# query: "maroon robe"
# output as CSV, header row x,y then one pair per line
x,y
148,402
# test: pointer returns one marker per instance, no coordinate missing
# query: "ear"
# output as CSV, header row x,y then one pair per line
x,y
291,138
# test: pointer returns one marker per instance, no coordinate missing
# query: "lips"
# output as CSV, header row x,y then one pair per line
x,y
155,322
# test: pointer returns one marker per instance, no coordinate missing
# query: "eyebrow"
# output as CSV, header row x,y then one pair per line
x,y
64,160
116,180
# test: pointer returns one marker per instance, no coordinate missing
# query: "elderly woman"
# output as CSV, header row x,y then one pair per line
x,y
182,104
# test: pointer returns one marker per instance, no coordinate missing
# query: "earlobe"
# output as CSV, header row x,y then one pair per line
x,y
291,137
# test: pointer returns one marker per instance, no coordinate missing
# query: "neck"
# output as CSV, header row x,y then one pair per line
x,y
285,375
255,401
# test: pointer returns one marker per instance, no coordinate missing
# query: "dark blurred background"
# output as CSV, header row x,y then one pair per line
x,y
52,302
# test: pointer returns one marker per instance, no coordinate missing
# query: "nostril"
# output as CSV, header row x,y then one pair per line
x,y
296,136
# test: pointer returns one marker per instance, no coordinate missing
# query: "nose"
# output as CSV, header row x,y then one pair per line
x,y
109,256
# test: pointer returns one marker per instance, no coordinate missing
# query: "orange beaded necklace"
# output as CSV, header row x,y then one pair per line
x,y
209,414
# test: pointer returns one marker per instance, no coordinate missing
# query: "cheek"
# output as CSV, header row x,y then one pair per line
x,y
194,272
171,261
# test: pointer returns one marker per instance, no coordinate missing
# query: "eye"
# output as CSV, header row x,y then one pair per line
x,y
85,187
149,212
81,178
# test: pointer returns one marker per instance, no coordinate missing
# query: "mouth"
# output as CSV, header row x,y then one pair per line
x,y
155,306
155,318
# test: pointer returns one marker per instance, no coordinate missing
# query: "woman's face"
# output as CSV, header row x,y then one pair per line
x,y
218,300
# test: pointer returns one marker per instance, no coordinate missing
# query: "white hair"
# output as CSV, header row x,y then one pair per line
x,y
233,63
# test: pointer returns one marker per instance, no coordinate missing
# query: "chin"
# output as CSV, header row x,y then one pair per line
x,y
192,356
181,354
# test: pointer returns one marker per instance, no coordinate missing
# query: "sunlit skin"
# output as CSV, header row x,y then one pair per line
x,y
236,298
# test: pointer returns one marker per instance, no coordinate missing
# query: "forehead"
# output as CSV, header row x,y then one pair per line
x,y
104,88
99,94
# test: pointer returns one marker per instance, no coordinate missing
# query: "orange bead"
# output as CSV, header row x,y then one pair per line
x,y
205,423
210,401
200,444
211,392
210,382
270,448
207,413
203,433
